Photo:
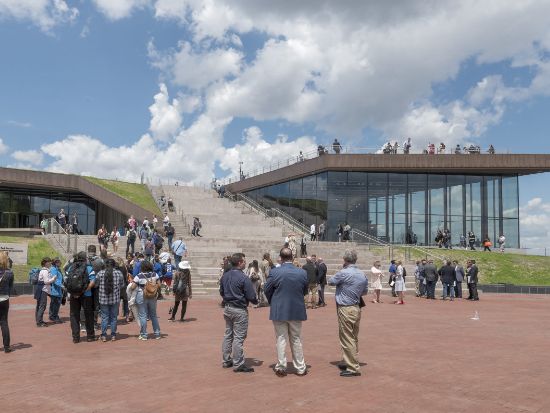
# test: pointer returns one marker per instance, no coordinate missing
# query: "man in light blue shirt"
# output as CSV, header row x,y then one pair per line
x,y
179,249
351,284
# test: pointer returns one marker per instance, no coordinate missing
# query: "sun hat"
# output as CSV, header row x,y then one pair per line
x,y
184,265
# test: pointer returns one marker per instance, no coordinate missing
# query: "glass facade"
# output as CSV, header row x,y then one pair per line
x,y
397,207
25,208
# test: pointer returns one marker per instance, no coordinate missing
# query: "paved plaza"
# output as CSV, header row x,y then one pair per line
x,y
426,356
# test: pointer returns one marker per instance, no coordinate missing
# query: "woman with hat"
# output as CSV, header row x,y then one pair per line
x,y
181,286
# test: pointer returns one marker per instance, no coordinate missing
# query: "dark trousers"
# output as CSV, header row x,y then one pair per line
x,y
430,289
76,303
4,309
472,288
422,288
95,303
321,292
472,246
41,304
130,246
458,289
55,305
183,309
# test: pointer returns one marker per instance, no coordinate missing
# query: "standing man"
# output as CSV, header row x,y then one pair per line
x,y
179,249
62,218
237,291
459,271
472,280
431,275
131,240
471,240
169,232
322,228
322,276
143,235
448,278
351,284
312,233
313,282
392,270
285,290
81,297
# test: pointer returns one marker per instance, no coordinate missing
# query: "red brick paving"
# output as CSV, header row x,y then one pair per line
x,y
426,356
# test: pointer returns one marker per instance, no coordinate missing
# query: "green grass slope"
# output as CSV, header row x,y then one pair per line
x,y
38,248
494,267
136,193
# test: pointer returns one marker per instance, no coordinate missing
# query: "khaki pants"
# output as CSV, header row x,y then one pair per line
x,y
289,332
349,318
312,294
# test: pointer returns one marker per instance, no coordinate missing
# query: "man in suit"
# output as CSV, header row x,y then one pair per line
x,y
237,291
448,277
430,272
472,271
459,271
351,284
311,271
322,276
285,290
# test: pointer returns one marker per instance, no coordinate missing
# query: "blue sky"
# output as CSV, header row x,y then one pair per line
x,y
185,89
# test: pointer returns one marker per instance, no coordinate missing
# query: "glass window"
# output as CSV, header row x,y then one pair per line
x,y
397,200
377,195
295,200
417,184
510,207
309,201
436,205
322,205
455,207
357,200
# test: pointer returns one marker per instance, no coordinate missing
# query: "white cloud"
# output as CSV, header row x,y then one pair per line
x,y
257,154
44,13
119,9
31,157
3,147
535,224
165,116
196,69
19,124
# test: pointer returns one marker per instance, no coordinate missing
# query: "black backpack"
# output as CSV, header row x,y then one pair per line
x,y
159,241
77,278
132,235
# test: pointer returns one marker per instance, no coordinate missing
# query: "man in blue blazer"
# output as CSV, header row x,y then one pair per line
x,y
285,290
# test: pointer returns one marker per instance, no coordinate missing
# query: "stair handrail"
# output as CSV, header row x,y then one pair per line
x,y
272,213
60,232
370,238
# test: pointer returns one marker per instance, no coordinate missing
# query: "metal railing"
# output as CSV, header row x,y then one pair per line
x,y
67,241
328,149
274,214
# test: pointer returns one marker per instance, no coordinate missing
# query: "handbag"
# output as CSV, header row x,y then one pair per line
x,y
392,283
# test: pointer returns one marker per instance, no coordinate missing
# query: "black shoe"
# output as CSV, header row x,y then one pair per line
x,y
7,350
90,339
280,372
244,369
347,373
227,364
342,366
76,340
302,374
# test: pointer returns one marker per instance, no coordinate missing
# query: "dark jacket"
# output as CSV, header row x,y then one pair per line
x,y
237,289
322,273
448,274
472,273
6,286
184,295
311,271
285,289
430,272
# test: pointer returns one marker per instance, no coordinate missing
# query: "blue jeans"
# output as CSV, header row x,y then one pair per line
x,y
109,314
55,305
148,310
448,290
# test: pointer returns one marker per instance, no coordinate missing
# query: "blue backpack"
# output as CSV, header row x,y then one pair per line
x,y
33,275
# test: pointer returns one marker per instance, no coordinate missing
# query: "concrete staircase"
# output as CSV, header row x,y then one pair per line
x,y
228,227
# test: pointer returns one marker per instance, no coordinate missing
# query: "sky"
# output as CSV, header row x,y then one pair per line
x,y
187,89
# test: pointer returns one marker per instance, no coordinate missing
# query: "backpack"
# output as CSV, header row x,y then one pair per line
x,y
77,278
151,288
33,275
159,241
132,235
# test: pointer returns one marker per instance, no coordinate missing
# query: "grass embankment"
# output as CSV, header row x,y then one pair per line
x,y
38,248
494,267
136,193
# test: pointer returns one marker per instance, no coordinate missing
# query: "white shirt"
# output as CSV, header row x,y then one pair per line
x,y
312,230
166,219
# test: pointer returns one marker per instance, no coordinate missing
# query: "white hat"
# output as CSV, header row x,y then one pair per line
x,y
184,265
163,257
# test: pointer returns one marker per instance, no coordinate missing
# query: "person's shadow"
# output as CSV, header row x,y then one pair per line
x,y
20,346
253,362
341,363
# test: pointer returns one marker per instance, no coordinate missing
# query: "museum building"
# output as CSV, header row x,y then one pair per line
x,y
401,198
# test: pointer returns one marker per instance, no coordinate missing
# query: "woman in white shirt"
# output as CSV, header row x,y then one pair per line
x,y
377,283
42,290
399,283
